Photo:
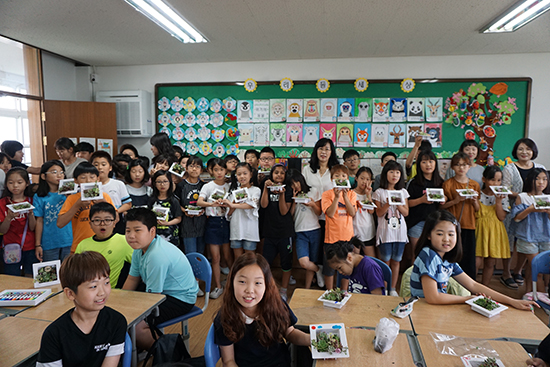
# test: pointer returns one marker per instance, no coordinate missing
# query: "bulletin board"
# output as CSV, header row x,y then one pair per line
x,y
494,112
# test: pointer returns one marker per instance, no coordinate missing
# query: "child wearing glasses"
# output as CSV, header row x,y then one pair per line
x,y
51,242
112,246
163,196
352,161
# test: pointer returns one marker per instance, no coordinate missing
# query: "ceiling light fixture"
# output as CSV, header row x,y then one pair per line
x,y
166,18
517,16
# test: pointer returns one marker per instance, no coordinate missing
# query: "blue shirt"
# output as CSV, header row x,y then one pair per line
x,y
431,264
48,208
165,269
534,228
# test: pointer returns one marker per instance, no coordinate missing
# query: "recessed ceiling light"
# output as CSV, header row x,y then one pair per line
x,y
165,17
517,16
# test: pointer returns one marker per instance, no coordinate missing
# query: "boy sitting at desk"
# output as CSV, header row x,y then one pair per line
x,y
90,334
111,245
162,267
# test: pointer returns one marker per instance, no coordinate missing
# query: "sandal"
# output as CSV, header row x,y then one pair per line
x,y
509,283
518,279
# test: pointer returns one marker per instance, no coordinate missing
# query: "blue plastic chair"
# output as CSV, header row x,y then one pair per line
x,y
211,349
386,273
540,265
127,356
203,271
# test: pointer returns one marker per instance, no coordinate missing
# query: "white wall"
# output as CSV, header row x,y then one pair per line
x,y
59,78
513,65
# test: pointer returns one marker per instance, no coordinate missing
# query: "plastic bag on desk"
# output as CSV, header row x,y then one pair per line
x,y
457,346
385,334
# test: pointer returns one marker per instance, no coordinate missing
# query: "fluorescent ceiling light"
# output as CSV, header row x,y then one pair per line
x,y
166,18
517,16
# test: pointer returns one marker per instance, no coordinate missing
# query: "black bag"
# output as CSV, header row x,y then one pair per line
x,y
167,348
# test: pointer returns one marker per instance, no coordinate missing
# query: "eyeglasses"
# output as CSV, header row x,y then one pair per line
x,y
162,182
56,172
98,222
268,159
463,165
325,149
352,160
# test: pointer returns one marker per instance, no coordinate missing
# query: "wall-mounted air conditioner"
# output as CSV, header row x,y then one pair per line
x,y
133,112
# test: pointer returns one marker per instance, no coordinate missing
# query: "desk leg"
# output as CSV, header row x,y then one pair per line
x,y
134,347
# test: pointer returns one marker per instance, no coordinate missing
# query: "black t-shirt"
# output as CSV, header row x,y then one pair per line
x,y
420,212
15,163
64,344
544,350
276,225
524,173
169,233
249,352
188,194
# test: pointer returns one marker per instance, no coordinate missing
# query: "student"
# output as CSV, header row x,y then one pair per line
x,y
386,157
231,162
84,150
419,145
115,188
339,206
76,211
112,246
352,161
120,166
252,157
18,228
244,231
363,222
178,152
391,234
136,178
463,209
279,227
52,242
532,225
130,150
253,319
192,226
267,160
90,334
161,162
160,144
163,196
162,267
64,148
365,275
542,357
471,148
437,252
14,150
491,237
5,162
307,227
217,227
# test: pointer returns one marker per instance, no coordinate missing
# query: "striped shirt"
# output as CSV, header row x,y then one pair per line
x,y
431,264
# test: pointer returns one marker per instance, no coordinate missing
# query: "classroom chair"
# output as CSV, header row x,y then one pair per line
x,y
540,265
127,356
211,350
386,273
203,271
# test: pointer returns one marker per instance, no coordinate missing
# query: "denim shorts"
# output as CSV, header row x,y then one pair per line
x,y
245,244
531,248
391,251
193,244
217,231
56,254
416,231
307,244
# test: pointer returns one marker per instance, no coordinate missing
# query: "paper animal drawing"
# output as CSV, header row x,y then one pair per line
x,y
434,110
412,131
278,133
435,131
293,135
311,110
345,109
416,109
310,135
363,109
362,134
328,131
398,110
260,112
246,134
379,136
261,135
277,110
381,109
294,110
244,112
328,109
345,132
396,137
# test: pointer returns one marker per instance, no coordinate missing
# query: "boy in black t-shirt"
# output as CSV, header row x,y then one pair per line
x,y
90,334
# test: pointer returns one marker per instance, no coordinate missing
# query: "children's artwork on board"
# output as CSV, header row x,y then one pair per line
x,y
434,109
398,109
397,136
246,135
412,131
381,111
293,135
191,134
244,111
260,112
328,131
345,109
229,104
345,132
435,131
311,110
215,105
203,133
294,110
328,109
415,107
106,145
363,109
87,140
277,110
379,137
278,135
261,135
310,135
203,104
218,135
362,135
218,150
190,119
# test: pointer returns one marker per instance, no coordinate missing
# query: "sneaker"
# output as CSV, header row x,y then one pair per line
x,y
320,277
394,293
216,293
200,293
509,283
224,271
282,292
292,281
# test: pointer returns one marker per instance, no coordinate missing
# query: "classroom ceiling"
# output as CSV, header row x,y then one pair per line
x,y
111,32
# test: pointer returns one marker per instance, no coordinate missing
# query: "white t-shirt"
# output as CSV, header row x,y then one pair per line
x,y
385,234
117,191
244,223
207,191
315,180
363,222
305,218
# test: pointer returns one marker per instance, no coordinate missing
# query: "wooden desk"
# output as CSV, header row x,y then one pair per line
x,y
511,354
19,339
360,310
460,320
13,282
362,350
